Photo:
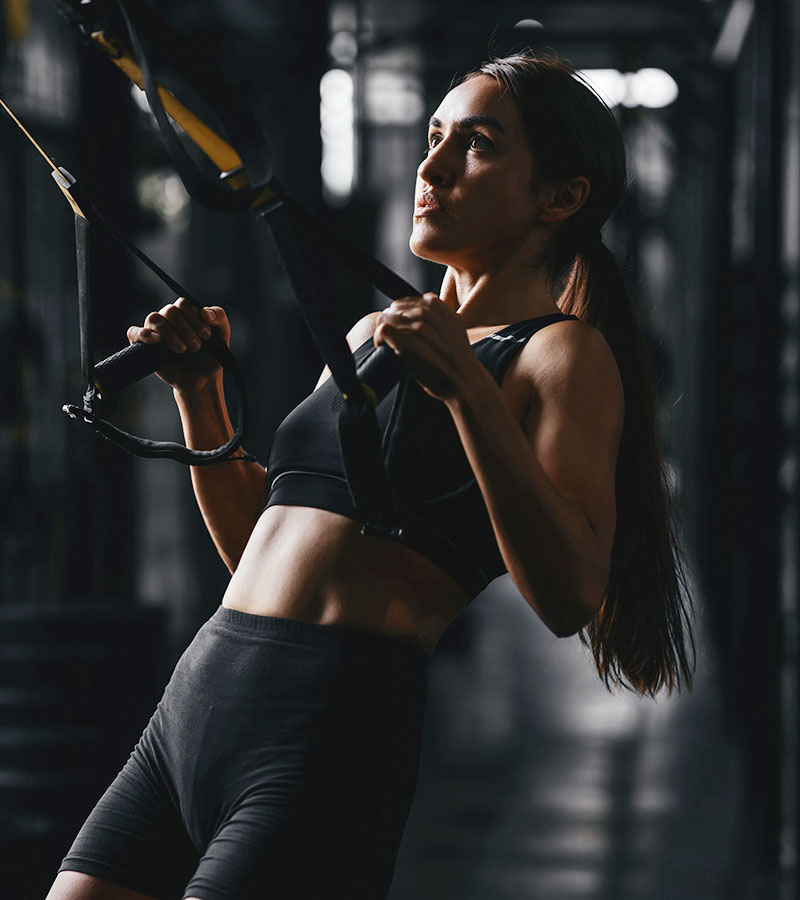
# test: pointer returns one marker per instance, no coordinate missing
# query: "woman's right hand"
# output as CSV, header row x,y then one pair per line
x,y
184,328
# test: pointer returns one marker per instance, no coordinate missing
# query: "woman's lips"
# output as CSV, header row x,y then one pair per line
x,y
427,206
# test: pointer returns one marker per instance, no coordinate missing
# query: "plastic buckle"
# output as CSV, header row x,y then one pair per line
x,y
80,415
92,401
89,412
231,173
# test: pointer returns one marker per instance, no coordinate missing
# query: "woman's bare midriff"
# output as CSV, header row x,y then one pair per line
x,y
316,566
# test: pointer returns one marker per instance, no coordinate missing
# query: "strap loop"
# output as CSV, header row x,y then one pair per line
x,y
233,113
134,362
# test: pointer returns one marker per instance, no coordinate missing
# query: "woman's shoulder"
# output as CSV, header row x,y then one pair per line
x,y
569,355
363,329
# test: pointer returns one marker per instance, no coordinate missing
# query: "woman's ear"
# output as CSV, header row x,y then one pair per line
x,y
563,199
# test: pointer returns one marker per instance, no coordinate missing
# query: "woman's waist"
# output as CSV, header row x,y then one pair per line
x,y
314,565
452,530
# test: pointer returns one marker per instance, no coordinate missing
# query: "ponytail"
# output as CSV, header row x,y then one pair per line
x,y
641,636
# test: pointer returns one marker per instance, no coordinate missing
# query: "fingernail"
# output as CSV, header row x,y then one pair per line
x,y
211,313
205,333
194,345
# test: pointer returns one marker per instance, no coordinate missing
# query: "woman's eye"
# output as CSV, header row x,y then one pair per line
x,y
480,142
474,142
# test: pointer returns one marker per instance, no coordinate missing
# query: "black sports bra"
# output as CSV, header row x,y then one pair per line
x,y
445,517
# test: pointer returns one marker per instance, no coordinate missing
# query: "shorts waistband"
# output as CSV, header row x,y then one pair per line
x,y
315,634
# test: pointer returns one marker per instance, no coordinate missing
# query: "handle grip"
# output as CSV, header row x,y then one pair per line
x,y
137,361
381,371
129,365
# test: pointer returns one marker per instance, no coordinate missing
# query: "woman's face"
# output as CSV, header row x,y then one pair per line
x,y
475,202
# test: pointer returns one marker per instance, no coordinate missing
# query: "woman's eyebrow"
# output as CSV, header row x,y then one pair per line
x,y
471,122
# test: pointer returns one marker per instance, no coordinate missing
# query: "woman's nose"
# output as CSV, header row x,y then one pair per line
x,y
436,169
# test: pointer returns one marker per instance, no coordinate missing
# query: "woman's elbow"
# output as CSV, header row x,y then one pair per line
x,y
570,626
566,614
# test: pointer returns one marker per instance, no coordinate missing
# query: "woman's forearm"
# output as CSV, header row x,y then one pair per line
x,y
231,495
549,547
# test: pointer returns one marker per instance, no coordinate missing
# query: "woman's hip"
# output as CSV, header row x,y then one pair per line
x,y
289,714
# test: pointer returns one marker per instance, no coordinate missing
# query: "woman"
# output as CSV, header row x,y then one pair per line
x,y
283,756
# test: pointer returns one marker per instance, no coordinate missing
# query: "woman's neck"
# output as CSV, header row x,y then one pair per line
x,y
499,297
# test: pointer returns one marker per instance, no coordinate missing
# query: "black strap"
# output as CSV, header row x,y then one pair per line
x,y
359,436
84,294
322,316
236,118
107,378
372,270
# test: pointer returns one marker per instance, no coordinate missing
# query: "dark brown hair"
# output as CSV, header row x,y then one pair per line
x,y
641,636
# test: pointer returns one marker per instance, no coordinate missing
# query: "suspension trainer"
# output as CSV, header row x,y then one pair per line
x,y
132,35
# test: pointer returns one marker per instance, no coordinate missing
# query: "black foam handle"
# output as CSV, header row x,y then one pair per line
x,y
381,371
129,365
137,361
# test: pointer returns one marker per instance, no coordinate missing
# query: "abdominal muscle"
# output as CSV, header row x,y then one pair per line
x,y
316,566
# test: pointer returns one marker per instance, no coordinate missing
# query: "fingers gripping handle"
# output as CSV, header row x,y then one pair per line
x,y
137,361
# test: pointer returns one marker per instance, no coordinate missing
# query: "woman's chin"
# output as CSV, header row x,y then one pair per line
x,y
426,247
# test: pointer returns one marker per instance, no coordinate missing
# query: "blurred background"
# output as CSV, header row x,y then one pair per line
x,y
536,782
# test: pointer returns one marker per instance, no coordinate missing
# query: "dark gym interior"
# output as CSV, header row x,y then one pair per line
x,y
537,783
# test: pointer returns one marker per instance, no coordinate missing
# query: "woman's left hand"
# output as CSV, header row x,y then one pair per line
x,y
430,340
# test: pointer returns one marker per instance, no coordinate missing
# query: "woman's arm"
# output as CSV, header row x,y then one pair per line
x,y
231,495
548,485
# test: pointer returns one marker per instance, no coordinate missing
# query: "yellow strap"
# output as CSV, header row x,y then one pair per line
x,y
216,148
18,18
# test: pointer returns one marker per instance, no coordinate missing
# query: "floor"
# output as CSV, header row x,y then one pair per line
x,y
537,784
